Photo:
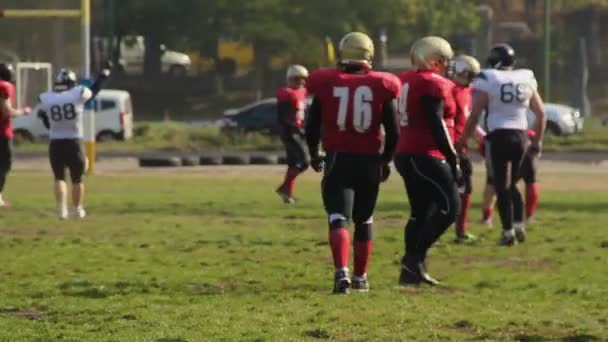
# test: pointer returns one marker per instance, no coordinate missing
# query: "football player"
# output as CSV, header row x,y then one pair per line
x,y
291,104
351,103
426,157
528,174
507,94
7,112
61,111
466,68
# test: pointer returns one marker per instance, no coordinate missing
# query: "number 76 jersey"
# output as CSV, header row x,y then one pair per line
x,y
64,110
352,108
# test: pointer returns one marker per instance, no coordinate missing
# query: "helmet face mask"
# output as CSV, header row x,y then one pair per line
x,y
356,49
6,72
66,79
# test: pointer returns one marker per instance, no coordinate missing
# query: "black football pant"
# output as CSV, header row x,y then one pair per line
x,y
295,148
350,189
6,159
434,201
67,153
506,149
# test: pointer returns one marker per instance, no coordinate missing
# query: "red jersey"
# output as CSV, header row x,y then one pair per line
x,y
462,98
297,100
416,136
7,91
352,107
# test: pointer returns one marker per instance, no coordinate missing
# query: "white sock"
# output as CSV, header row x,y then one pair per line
x,y
509,233
1,200
519,225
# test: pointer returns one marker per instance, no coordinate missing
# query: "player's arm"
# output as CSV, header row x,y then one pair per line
x,y
391,132
480,102
433,110
313,134
7,110
538,107
99,83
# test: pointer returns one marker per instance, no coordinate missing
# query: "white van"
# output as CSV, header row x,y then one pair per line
x,y
133,50
113,119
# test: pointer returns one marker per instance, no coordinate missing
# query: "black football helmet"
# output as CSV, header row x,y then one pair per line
x,y
502,56
66,79
6,72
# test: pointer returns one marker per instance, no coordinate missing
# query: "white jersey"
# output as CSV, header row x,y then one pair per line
x,y
64,110
509,93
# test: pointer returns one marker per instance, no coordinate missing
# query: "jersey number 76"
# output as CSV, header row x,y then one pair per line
x,y
362,107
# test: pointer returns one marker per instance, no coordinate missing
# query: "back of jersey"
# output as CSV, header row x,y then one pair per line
x,y
64,110
509,93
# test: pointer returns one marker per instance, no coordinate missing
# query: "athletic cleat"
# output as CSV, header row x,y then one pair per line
x,y
287,199
341,282
63,213
360,284
4,204
425,277
487,222
520,233
409,276
508,239
80,213
464,238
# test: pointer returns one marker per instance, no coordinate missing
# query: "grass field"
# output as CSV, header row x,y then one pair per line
x,y
214,256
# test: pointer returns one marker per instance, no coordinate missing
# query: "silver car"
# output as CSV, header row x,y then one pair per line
x,y
561,119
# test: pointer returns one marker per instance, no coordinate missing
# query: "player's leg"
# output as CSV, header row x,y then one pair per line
x,y
499,152
488,202
297,162
528,173
519,151
77,165
6,160
421,208
465,189
58,165
338,201
367,185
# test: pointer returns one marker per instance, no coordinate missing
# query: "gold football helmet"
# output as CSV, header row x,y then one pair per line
x,y
466,68
432,53
296,71
356,48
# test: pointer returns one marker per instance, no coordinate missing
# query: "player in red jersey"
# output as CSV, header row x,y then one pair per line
x,y
7,112
426,158
466,68
351,103
528,173
291,104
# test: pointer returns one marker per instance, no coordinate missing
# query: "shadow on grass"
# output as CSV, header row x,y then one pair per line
x,y
571,338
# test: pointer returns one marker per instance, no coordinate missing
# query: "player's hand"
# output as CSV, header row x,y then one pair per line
x,y
455,167
318,163
536,147
105,73
27,110
385,172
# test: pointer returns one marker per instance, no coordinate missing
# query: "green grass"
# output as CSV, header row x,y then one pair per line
x,y
213,255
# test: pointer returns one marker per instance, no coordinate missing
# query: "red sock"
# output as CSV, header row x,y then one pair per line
x,y
461,224
487,213
363,250
339,241
532,195
290,180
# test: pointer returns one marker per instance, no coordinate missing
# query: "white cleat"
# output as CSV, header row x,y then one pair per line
x,y
63,213
80,213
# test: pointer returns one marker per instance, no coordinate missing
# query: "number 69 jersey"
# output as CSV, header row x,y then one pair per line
x,y
509,93
352,108
64,110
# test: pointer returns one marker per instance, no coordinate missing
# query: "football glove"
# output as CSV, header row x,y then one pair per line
x,y
455,167
318,163
385,172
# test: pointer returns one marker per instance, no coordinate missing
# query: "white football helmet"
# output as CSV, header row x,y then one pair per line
x,y
466,68
296,71
430,53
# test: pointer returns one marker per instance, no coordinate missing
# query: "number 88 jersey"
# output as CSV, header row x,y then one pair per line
x,y
64,110
416,136
509,93
352,108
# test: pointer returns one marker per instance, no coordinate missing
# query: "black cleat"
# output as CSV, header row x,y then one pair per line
x,y
360,284
507,240
285,196
409,277
341,282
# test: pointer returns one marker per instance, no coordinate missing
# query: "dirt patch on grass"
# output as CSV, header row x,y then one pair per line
x,y
23,314
510,262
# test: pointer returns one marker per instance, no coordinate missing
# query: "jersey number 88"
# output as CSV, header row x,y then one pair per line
x,y
65,112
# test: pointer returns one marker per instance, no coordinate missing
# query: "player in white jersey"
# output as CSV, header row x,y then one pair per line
x,y
61,111
507,94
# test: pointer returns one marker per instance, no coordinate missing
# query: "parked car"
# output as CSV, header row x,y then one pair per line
x,y
133,50
561,119
113,119
259,116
